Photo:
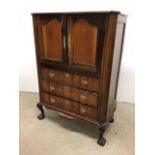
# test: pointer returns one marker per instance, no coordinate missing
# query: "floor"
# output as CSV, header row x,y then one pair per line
x,y
55,135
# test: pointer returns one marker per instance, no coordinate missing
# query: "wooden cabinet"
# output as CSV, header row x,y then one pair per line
x,y
78,60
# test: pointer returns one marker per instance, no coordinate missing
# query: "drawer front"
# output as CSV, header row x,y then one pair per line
x,y
60,102
74,107
84,82
75,94
89,112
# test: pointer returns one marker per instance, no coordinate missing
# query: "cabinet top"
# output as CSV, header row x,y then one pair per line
x,y
89,12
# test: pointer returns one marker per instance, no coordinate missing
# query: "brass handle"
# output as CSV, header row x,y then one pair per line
x,y
52,88
66,102
51,74
64,42
83,110
66,75
53,100
84,82
82,97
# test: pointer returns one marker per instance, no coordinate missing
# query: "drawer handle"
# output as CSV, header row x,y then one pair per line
x,y
66,75
84,82
82,97
53,100
52,88
52,74
83,110
66,102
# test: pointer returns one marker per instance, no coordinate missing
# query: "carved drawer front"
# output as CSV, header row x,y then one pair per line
x,y
88,98
89,112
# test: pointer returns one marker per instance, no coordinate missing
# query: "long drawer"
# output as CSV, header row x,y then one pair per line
x,y
79,81
74,107
78,95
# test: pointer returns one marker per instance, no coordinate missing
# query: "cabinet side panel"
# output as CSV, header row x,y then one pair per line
x,y
120,29
110,31
36,41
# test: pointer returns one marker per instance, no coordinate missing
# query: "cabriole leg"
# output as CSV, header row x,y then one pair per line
x,y
41,115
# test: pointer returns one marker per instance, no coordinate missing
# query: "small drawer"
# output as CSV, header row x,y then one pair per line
x,y
89,83
67,105
66,91
71,106
75,107
59,77
52,88
88,98
88,112
75,94
83,97
56,101
52,75
93,84
67,78
76,80
84,82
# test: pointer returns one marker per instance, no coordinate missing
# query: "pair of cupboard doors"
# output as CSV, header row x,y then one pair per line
x,y
72,41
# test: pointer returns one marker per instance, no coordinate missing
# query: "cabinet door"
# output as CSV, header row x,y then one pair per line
x,y
51,38
85,41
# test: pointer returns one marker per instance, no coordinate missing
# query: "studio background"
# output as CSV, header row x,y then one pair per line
x,y
28,71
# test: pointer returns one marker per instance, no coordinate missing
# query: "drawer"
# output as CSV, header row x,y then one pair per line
x,y
88,112
60,102
67,78
74,107
78,81
53,75
88,98
56,101
89,83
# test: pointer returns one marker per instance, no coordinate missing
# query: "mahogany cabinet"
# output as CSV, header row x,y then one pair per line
x,y
78,59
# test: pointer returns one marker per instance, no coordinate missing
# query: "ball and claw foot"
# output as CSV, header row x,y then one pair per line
x,y
41,115
111,120
101,141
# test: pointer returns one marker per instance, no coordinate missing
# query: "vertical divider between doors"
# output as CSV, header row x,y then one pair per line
x,y
65,36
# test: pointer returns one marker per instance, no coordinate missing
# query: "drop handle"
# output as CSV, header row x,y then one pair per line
x,y
82,97
51,74
53,100
83,110
84,82
52,88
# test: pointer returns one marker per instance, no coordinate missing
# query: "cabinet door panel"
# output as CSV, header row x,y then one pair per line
x,y
84,33
51,29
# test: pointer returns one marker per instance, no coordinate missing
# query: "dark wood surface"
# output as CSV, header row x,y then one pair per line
x,y
78,60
